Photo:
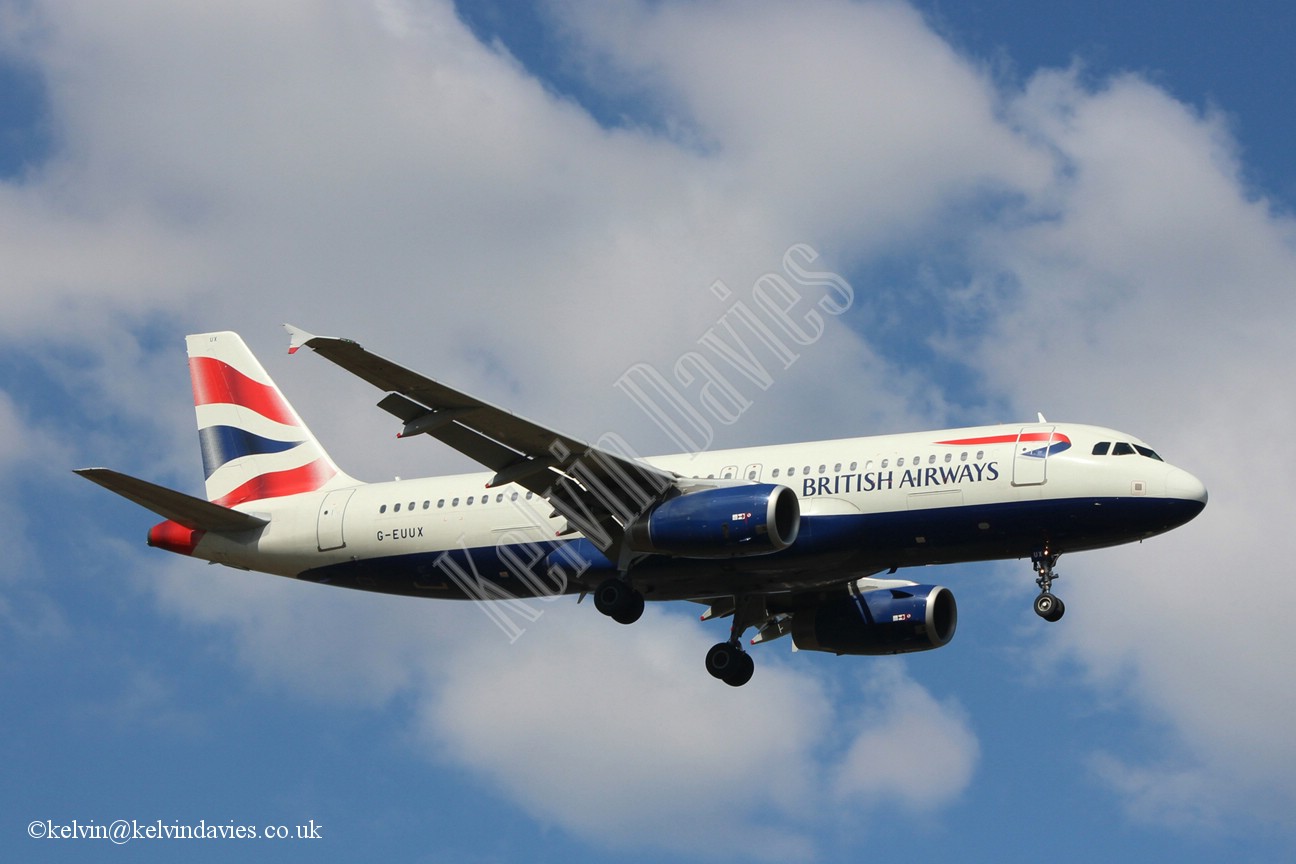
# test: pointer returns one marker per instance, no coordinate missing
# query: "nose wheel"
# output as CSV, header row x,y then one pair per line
x,y
1047,605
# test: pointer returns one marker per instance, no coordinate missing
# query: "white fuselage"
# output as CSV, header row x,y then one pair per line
x,y
867,504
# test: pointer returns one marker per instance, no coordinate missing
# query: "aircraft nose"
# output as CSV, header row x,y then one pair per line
x,y
1184,486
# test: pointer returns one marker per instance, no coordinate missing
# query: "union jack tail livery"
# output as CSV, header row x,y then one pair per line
x,y
254,445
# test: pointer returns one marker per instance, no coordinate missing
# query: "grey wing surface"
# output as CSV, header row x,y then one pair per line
x,y
599,492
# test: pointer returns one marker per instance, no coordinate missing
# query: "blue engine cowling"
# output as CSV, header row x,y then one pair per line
x,y
881,621
727,522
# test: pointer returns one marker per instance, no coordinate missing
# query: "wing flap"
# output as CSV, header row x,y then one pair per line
x,y
183,509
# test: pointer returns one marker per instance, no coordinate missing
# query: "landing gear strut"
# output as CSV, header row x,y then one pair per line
x,y
1047,606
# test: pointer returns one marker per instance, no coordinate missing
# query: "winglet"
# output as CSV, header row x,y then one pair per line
x,y
297,338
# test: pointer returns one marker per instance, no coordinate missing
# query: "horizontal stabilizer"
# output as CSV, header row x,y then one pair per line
x,y
184,509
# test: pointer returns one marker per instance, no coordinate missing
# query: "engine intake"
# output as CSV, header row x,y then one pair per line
x,y
881,621
732,521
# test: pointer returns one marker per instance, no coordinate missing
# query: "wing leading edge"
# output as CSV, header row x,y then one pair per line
x,y
598,491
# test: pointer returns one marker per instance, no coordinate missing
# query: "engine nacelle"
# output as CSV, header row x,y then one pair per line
x,y
731,521
881,621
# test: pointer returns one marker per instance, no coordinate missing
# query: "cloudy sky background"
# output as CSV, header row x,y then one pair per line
x,y
1085,214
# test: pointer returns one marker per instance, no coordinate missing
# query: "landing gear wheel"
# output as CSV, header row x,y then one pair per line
x,y
632,611
743,671
730,664
1049,607
618,600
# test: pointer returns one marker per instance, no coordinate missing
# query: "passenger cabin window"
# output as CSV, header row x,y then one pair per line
x,y
1122,449
775,473
1101,448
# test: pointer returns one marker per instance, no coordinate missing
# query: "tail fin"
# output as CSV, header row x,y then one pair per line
x,y
254,446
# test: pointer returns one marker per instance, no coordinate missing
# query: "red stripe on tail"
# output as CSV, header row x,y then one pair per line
x,y
276,484
218,383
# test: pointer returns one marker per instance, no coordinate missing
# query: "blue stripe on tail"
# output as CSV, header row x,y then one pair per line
x,y
221,444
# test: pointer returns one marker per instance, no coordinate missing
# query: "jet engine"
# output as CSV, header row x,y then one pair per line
x,y
896,620
731,521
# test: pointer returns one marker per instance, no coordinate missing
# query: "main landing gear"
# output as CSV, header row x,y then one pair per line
x,y
617,599
730,663
1047,605
727,660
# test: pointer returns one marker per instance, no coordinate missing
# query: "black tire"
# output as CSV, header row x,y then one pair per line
x,y
1049,607
618,600
721,658
741,672
631,610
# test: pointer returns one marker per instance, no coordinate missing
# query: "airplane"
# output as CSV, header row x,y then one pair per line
x,y
797,539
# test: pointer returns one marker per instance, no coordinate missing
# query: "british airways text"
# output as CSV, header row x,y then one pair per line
x,y
909,478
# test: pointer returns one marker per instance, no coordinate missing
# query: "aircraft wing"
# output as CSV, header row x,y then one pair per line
x,y
597,491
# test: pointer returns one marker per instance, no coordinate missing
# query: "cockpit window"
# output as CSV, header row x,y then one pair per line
x,y
1148,452
1122,449
1101,448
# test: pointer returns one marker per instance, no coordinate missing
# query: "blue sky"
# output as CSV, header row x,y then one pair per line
x,y
1081,209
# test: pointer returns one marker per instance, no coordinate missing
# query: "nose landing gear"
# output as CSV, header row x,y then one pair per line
x,y
1047,605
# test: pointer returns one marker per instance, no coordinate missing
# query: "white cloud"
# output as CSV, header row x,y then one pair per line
x,y
912,752
1152,293
607,731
